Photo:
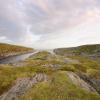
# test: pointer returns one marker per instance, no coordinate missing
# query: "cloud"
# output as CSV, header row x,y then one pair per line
x,y
4,39
32,22
29,38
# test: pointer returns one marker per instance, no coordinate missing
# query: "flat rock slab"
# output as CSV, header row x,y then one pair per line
x,y
22,86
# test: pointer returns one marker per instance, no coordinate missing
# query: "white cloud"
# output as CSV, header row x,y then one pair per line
x,y
5,39
53,22
29,38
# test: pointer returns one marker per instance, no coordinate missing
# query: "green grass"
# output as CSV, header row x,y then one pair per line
x,y
41,55
44,59
94,73
59,88
86,49
9,74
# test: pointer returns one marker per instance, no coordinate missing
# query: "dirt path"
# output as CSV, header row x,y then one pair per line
x,y
22,86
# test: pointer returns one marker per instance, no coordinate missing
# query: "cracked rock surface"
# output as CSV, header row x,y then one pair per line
x,y
80,82
22,86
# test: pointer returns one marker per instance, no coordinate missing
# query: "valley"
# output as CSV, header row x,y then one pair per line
x,y
59,74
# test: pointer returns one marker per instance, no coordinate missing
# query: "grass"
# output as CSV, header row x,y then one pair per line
x,y
7,50
80,50
9,74
59,88
94,73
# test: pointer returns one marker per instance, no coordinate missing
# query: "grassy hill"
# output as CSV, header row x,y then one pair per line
x,y
9,50
85,50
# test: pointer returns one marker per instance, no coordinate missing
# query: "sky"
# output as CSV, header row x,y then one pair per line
x,y
47,24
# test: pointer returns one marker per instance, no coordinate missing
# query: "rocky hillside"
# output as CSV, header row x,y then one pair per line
x,y
92,51
9,50
51,76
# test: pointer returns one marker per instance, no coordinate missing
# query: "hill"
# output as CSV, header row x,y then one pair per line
x,y
9,50
92,51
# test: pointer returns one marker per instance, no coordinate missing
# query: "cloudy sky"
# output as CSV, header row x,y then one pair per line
x,y
50,23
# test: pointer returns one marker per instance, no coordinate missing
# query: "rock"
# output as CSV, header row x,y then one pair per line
x,y
95,83
22,86
80,82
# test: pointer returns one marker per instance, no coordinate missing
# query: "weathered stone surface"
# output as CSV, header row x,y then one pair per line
x,y
92,81
80,82
22,86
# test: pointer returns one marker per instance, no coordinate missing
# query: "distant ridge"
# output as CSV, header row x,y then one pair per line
x,y
84,50
10,50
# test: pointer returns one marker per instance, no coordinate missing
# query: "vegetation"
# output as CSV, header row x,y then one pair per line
x,y
59,86
9,50
81,50
8,74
